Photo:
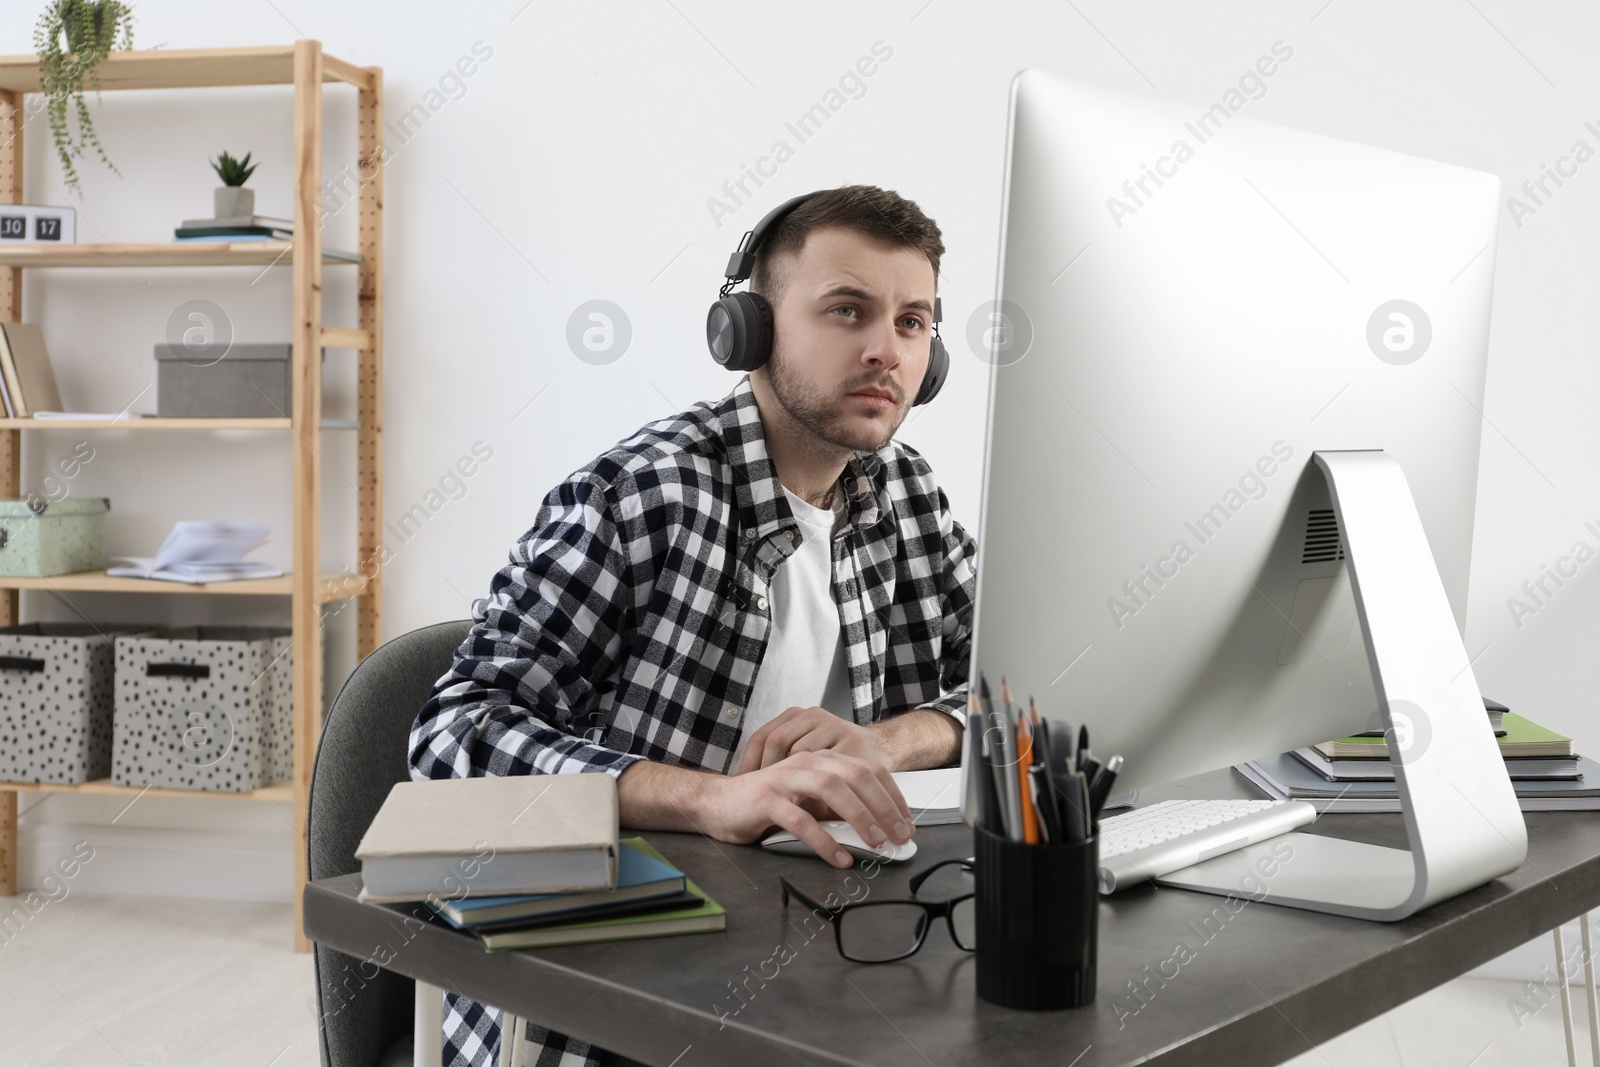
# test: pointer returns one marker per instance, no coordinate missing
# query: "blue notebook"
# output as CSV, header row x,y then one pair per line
x,y
639,877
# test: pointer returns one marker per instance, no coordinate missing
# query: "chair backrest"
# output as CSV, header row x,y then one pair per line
x,y
361,755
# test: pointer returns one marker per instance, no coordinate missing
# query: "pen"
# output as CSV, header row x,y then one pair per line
x,y
1066,734
1076,817
1086,761
1089,823
1042,809
1102,787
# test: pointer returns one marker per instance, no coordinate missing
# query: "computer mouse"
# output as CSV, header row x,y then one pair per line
x,y
849,840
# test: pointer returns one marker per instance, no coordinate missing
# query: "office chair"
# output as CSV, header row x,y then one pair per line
x,y
365,1014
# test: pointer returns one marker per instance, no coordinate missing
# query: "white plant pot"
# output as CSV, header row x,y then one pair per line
x,y
231,200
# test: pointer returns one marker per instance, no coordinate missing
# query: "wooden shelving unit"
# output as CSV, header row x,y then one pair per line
x,y
304,66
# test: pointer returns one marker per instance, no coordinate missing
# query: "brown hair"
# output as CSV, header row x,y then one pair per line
x,y
880,213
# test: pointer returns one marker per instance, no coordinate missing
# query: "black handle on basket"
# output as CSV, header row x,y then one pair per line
x,y
20,663
177,670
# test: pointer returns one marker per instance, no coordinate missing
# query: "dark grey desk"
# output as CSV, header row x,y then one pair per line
x,y
1254,987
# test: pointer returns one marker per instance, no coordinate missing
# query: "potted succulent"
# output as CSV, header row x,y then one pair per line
x,y
231,198
72,37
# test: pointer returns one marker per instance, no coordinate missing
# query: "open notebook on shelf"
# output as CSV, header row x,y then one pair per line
x,y
198,552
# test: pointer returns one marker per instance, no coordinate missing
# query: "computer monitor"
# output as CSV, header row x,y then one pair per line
x,y
1235,401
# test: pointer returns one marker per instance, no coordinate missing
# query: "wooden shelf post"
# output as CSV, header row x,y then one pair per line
x,y
306,450
369,440
11,118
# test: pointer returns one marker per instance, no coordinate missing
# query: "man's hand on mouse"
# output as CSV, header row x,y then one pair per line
x,y
797,792
812,730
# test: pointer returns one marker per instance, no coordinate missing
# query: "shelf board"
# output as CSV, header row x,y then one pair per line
x,y
279,791
185,67
166,254
334,586
138,423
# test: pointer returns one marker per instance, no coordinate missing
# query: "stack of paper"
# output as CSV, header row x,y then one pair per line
x,y
197,552
934,796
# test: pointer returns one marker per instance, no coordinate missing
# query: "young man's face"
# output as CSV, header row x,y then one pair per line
x,y
856,314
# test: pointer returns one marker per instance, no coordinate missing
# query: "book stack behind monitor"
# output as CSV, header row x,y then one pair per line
x,y
1354,773
527,861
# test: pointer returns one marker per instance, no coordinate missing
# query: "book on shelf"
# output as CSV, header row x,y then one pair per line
x,y
492,836
30,383
272,232
1522,738
1381,770
663,921
1283,777
642,879
199,552
271,222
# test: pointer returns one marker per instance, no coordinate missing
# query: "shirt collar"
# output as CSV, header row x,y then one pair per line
x,y
759,495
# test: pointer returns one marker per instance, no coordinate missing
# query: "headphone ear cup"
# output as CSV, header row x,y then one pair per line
x,y
933,378
739,331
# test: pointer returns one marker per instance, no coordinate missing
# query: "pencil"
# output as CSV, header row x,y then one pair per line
x,y
1033,710
1030,815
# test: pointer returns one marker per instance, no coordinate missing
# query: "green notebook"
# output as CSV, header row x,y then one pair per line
x,y
708,917
1523,739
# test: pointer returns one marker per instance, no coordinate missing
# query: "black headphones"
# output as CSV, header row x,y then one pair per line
x,y
739,325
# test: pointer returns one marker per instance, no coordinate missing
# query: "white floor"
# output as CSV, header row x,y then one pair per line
x,y
156,982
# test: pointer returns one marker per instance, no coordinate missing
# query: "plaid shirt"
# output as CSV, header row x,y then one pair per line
x,y
631,620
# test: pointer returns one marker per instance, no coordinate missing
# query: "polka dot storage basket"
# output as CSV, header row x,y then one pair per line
x,y
55,702
204,707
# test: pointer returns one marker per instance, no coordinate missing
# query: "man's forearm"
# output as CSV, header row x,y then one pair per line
x,y
655,796
924,737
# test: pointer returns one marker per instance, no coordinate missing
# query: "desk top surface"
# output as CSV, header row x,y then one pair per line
x,y
1184,978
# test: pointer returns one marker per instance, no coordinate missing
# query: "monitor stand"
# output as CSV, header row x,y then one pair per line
x,y
1461,816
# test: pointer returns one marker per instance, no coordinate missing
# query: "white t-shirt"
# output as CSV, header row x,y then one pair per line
x,y
804,665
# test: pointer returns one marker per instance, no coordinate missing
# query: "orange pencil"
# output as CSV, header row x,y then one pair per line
x,y
1030,817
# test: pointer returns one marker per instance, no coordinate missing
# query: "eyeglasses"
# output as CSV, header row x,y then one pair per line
x,y
882,931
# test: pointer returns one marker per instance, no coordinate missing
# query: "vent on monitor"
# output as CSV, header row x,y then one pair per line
x,y
1322,538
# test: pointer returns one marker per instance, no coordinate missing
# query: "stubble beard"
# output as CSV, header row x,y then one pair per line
x,y
826,433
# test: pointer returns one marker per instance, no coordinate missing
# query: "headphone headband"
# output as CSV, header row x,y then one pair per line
x,y
743,260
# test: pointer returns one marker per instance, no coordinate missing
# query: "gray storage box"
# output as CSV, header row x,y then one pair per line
x,y
241,381
204,707
39,537
55,702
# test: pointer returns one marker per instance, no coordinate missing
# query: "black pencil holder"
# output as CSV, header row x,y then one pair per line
x,y
1038,920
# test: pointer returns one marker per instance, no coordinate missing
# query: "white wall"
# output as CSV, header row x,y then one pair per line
x,y
577,162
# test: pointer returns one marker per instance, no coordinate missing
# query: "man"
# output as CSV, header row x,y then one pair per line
x,y
750,613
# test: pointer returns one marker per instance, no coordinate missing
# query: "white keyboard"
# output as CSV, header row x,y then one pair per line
x,y
1151,841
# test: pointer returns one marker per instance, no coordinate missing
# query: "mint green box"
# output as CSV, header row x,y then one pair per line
x,y
40,538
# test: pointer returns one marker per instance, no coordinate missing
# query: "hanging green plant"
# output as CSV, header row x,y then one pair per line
x,y
72,37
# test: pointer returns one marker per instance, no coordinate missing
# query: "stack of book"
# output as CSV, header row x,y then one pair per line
x,y
236,228
1354,774
529,861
